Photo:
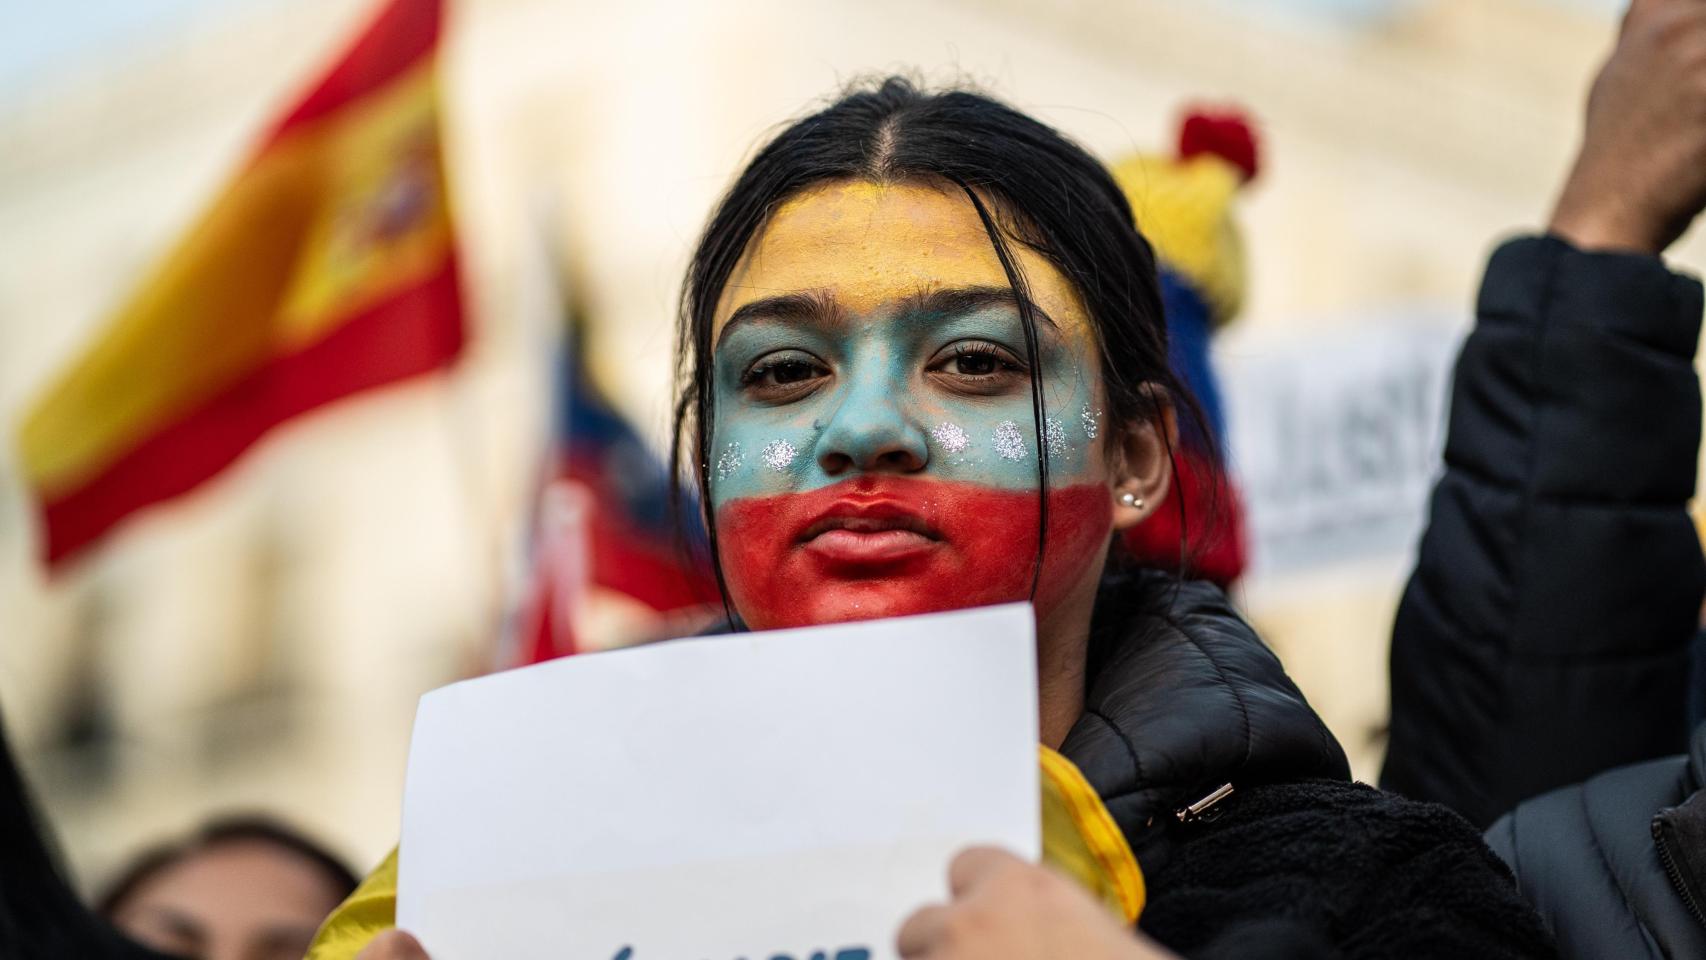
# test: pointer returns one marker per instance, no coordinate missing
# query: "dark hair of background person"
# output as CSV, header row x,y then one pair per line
x,y
1044,192
226,830
41,916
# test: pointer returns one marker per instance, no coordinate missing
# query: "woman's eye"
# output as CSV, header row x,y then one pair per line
x,y
792,371
782,377
977,365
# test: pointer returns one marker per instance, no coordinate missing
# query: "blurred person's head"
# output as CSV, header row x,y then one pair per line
x,y
923,366
239,889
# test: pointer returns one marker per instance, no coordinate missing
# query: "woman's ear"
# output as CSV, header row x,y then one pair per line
x,y
1143,460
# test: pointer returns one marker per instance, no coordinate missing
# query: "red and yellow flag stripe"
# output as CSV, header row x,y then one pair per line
x,y
326,267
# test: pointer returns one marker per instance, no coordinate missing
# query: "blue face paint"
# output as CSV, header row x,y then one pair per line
x,y
951,439
1090,420
946,394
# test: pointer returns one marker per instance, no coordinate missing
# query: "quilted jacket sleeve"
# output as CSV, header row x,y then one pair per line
x,y
1584,857
1544,633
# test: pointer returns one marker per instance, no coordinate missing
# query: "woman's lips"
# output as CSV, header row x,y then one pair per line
x,y
974,545
873,547
869,533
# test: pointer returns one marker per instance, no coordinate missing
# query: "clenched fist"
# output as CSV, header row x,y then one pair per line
x,y
1640,176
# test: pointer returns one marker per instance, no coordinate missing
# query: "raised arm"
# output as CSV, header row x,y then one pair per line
x,y
1544,633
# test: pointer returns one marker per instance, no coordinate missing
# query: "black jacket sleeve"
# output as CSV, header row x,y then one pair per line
x,y
1544,633
1584,856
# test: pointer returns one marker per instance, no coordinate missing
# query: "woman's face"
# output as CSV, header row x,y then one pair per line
x,y
874,451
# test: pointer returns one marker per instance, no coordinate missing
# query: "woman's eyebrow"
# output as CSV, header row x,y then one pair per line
x,y
820,306
806,306
953,301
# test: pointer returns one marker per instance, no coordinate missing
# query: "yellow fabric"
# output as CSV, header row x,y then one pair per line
x,y
369,911
1080,839
1185,209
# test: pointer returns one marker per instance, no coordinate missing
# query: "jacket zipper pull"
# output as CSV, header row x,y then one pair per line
x,y
1673,869
1199,810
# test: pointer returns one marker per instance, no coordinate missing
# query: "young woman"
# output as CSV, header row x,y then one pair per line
x,y
924,367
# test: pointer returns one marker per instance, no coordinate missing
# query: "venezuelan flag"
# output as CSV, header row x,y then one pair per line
x,y
326,267
606,533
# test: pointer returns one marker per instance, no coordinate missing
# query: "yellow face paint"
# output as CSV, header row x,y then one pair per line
x,y
868,245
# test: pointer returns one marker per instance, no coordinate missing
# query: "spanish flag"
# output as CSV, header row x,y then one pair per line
x,y
326,267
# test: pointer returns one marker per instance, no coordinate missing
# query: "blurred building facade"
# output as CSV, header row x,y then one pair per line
x,y
261,644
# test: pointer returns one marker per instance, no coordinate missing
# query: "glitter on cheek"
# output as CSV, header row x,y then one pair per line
x,y
778,455
1091,419
1054,438
1009,442
950,437
730,461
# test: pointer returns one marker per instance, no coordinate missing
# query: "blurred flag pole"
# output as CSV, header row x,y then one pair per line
x,y
545,566
326,267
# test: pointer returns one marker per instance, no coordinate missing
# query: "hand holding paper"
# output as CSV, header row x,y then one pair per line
x,y
393,945
795,793
1005,908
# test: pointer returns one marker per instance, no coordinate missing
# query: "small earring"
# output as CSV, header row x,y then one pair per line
x,y
1129,499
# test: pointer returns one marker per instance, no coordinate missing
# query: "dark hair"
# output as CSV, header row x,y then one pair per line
x,y
1043,191
40,914
340,880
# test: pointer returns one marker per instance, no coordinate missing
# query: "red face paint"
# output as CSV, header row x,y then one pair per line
x,y
883,546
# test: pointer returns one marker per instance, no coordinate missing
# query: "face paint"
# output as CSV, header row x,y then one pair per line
x,y
1008,442
950,438
778,455
875,328
1091,419
880,546
1054,438
730,462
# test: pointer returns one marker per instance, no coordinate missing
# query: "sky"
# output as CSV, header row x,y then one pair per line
x,y
40,41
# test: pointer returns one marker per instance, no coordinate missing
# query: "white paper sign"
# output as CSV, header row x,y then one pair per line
x,y
1335,435
795,793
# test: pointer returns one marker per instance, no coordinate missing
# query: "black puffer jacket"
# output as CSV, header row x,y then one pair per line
x,y
1617,865
1296,861
1546,631
1544,635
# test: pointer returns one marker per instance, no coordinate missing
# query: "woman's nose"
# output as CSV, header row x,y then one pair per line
x,y
872,431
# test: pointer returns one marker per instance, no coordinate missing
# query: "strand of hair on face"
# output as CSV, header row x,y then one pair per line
x,y
1027,320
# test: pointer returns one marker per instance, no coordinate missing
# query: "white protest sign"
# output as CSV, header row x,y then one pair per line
x,y
795,793
1335,435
